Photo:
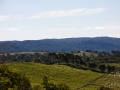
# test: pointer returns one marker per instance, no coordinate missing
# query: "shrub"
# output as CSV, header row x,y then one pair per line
x,y
48,85
37,60
13,79
5,83
102,67
63,86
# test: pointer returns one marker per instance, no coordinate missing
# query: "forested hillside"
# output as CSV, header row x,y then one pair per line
x,y
57,45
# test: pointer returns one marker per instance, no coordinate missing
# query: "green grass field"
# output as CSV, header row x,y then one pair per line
x,y
114,64
58,73
86,53
77,79
28,53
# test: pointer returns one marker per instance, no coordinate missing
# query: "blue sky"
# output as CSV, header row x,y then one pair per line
x,y
43,19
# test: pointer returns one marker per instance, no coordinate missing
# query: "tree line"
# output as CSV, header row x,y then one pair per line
x,y
84,62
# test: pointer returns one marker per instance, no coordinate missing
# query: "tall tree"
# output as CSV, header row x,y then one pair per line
x,y
92,65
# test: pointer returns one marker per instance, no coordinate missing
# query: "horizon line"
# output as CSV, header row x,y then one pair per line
x,y
60,38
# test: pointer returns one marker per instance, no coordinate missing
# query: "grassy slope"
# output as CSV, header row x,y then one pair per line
x,y
28,53
83,79
86,53
114,64
74,77
108,80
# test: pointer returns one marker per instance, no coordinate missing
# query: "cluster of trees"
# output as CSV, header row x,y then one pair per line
x,y
64,58
79,61
26,57
52,57
106,57
109,68
115,51
92,62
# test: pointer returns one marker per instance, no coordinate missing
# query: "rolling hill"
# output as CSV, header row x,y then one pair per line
x,y
78,79
57,45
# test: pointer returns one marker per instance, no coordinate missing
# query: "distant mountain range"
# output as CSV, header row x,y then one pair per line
x,y
57,45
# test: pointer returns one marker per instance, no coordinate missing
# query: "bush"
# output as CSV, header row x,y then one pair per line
x,y
5,83
48,85
13,79
37,60
102,67
63,86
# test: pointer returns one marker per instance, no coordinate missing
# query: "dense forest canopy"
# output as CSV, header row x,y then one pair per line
x,y
57,45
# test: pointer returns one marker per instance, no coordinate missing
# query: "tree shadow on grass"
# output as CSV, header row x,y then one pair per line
x,y
77,66
82,68
96,71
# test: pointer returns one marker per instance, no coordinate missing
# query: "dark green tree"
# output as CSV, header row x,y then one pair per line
x,y
110,69
92,65
102,67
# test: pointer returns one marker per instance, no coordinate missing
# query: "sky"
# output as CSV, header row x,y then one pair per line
x,y
48,19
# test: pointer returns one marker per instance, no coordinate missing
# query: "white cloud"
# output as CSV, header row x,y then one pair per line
x,y
63,13
60,13
109,27
54,14
4,17
94,11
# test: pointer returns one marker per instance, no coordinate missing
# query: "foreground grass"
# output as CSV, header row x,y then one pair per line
x,y
76,78
108,80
